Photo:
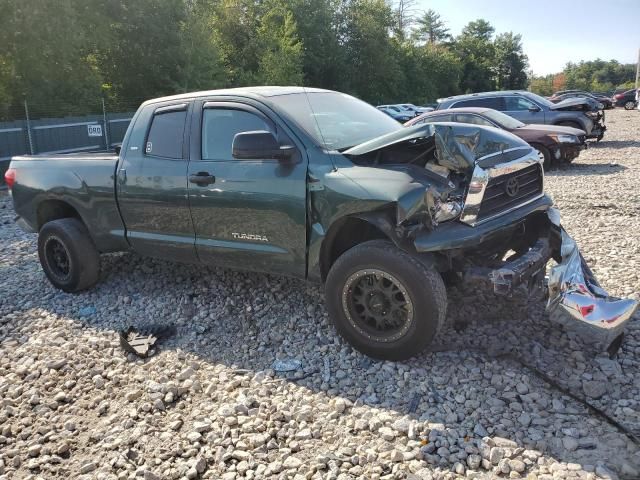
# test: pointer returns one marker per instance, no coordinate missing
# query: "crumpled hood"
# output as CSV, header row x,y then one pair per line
x,y
458,145
573,102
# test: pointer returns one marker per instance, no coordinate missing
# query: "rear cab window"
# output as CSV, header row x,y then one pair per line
x,y
166,133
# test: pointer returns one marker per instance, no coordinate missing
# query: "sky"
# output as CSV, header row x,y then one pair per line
x,y
554,32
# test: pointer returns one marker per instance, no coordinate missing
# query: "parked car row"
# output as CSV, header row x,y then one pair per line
x,y
627,99
530,108
604,101
403,112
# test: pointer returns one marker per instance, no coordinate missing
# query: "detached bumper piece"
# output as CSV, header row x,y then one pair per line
x,y
569,153
578,302
526,269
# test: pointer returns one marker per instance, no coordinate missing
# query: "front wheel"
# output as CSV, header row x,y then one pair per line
x,y
544,155
67,255
385,302
630,105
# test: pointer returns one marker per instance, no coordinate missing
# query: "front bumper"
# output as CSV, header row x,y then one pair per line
x,y
575,299
569,152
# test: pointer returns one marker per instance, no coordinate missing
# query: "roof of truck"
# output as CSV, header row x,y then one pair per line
x,y
264,91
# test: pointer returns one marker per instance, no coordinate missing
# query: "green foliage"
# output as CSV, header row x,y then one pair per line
x,y
476,50
63,56
593,76
281,62
510,62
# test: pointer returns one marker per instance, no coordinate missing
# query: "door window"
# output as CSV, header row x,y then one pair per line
x,y
166,134
436,118
475,119
220,126
518,104
487,102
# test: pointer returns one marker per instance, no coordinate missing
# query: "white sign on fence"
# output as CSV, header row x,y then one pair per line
x,y
94,130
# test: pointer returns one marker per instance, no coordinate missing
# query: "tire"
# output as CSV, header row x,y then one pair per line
x,y
544,155
629,105
419,285
67,255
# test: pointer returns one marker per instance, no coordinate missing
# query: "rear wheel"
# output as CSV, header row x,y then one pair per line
x,y
67,255
544,155
630,105
385,302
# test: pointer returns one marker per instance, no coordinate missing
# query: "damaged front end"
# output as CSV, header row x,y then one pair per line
x,y
589,107
577,301
470,200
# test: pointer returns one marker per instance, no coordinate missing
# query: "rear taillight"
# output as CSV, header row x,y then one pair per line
x,y
10,177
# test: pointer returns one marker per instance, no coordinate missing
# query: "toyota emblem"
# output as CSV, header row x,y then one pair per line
x,y
512,187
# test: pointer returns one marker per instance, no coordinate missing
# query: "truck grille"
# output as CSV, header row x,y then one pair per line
x,y
510,190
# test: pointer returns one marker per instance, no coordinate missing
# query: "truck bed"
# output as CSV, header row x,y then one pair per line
x,y
86,181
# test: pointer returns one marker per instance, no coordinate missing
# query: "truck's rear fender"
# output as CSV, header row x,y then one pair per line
x,y
49,190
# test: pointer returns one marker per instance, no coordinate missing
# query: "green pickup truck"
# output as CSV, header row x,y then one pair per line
x,y
317,185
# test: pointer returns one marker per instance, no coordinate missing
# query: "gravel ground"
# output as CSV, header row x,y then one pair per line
x,y
208,404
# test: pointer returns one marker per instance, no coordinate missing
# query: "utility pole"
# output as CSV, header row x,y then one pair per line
x,y
638,71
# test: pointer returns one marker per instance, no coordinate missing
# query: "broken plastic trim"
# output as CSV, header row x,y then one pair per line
x,y
142,344
576,299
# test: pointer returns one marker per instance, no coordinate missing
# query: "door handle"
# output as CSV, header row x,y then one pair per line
x,y
122,175
202,178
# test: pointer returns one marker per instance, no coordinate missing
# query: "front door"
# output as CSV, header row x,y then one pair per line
x,y
523,109
248,214
152,184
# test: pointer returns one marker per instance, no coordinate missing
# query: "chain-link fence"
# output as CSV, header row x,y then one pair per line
x,y
44,129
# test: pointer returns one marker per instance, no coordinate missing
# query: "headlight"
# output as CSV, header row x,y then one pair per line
x,y
565,138
444,211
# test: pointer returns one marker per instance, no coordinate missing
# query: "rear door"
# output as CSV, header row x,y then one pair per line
x,y
152,184
248,214
523,109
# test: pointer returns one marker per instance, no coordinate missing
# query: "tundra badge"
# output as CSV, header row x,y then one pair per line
x,y
248,236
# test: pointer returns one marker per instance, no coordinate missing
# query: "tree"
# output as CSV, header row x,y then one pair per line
x,y
405,16
371,69
281,62
431,28
510,62
477,53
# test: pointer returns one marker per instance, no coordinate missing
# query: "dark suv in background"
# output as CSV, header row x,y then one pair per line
x,y
531,108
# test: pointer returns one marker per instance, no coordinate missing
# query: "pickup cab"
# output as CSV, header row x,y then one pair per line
x,y
321,186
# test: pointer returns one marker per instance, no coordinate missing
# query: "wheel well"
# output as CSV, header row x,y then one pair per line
x,y
342,236
53,210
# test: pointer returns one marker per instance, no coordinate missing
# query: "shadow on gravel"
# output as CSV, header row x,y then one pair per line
x,y
584,169
604,144
245,321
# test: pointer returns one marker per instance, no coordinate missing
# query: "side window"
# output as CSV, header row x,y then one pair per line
x,y
475,119
166,134
438,118
489,102
517,104
220,125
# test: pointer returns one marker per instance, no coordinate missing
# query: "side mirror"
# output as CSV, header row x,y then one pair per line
x,y
118,148
534,108
259,144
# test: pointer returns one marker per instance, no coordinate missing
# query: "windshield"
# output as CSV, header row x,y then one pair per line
x,y
539,100
336,120
502,119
